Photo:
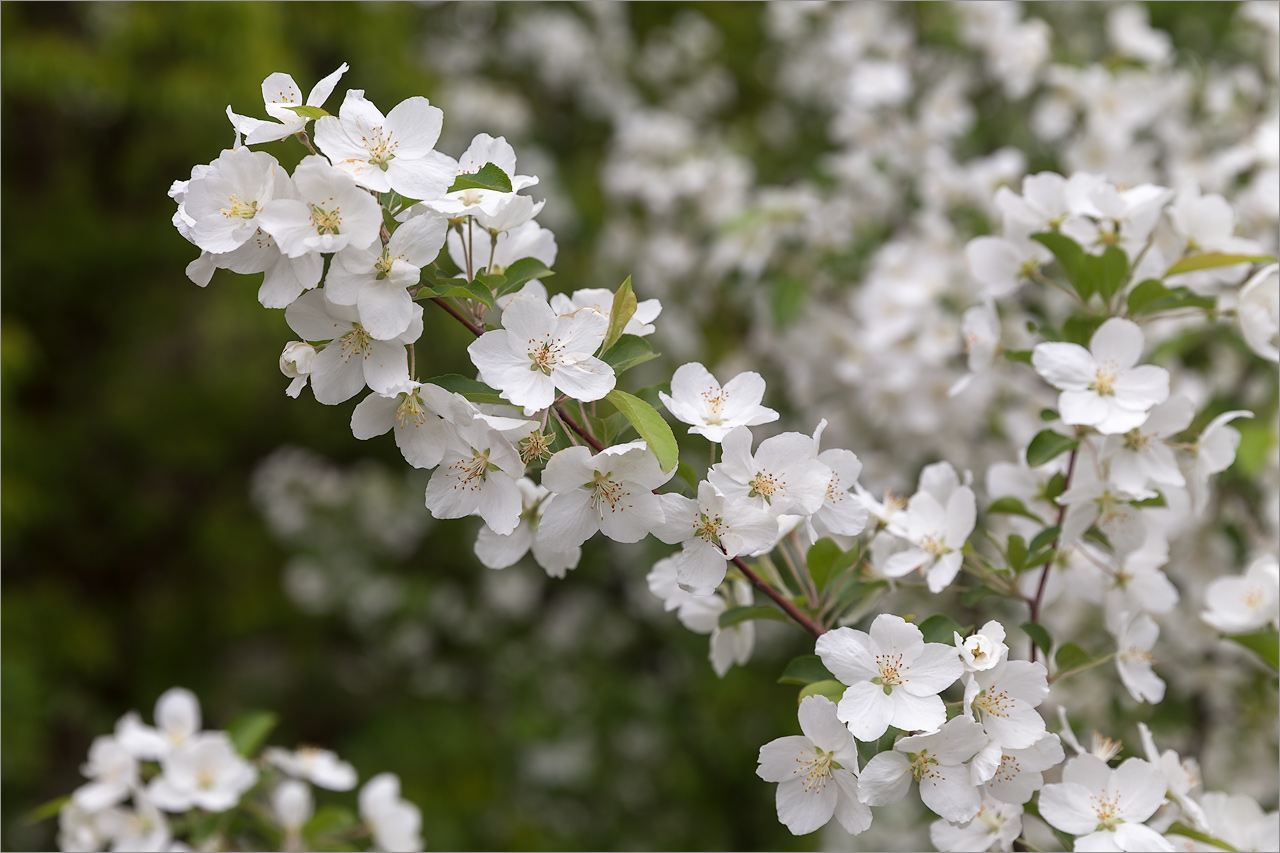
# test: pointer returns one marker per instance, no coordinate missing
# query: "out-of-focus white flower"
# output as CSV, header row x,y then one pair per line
x,y
816,772
1248,602
1141,457
697,399
1241,822
1259,312
1135,637
1130,33
321,767
396,823
1102,386
113,774
205,772
1215,451
1105,807
177,716
292,806
995,827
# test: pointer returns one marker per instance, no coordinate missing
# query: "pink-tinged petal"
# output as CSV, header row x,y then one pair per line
x,y
1083,408
885,780
820,724
847,654
336,378
425,177
632,517
416,126
386,365
1117,341
1068,807
569,519
386,309
1141,786
804,807
778,758
1142,387
1067,367
894,636
916,713
373,416
1140,838
851,813
947,790
935,668
867,710
587,379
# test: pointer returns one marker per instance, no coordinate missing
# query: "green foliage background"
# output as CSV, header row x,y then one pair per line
x,y
136,405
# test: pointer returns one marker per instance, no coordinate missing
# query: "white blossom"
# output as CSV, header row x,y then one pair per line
x,y
205,772
1104,807
696,398
396,823
279,94
934,760
1244,603
611,491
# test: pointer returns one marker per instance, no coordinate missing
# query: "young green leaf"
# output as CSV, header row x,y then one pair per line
x,y
833,690
940,628
249,731
1039,636
1072,259
805,669
1047,446
820,560
1071,656
490,177
1016,552
308,111
624,306
650,426
1265,644
627,353
521,272
734,615
1213,260
1009,505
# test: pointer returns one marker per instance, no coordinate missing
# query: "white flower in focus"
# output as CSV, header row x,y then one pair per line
x,y
640,324
482,203
177,715
696,398
713,529
321,767
893,677
611,491
1004,700
414,412
292,806
537,352
984,649
1259,312
1141,457
295,362
498,551
1244,603
936,761
396,823
783,477
376,278
279,93
330,213
527,240
1105,808
223,205
994,827
937,534
841,513
352,359
1101,386
1020,772
1135,638
205,773
816,772
113,774
391,152
478,476
701,614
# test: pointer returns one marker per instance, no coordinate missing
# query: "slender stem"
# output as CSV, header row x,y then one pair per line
x,y
413,364
579,429
1048,567
457,315
305,140
778,599
471,247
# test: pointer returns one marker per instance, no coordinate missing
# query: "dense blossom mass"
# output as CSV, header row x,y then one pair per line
x,y
1070,313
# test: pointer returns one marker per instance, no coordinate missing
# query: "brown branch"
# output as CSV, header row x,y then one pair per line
x,y
457,315
1048,567
779,599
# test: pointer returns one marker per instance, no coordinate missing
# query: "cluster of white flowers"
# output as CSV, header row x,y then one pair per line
x,y
177,786
539,447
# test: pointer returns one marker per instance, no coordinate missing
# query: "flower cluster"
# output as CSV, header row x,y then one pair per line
x,y
177,786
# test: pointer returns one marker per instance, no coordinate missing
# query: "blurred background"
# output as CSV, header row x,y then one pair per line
x,y
170,517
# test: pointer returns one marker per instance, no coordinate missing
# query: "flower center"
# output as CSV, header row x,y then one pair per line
x,y
933,544
709,527
471,197
1254,597
238,209
471,472
764,484
923,764
535,445
605,491
890,676
714,402
1108,811
994,703
816,770
381,150
326,221
411,411
543,356
1105,378
355,341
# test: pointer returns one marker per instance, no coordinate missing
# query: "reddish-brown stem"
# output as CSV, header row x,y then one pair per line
x,y
457,315
1048,567
778,599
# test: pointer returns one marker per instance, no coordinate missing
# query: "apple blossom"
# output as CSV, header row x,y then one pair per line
x,y
1259,312
113,773
296,361
205,772
984,649
611,491
329,214
640,324
321,767
782,477
477,476
414,412
224,205
1020,772
996,826
937,535
1248,602
1105,807
498,551
696,398
934,760
280,94
396,823
712,529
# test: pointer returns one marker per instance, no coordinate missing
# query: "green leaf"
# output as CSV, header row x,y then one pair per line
x,y
686,473
44,811
490,177
805,669
734,615
1212,260
250,730
624,306
1039,636
1152,296
1048,415
627,353
650,425
1111,269
1266,644
1009,505
940,628
1057,485
1079,329
522,272
1072,259
788,297
851,593
1156,502
1071,656
821,559
308,111
330,819
1044,537
473,390
1038,559
833,690
1020,355
1016,552
971,597
1180,828
1047,446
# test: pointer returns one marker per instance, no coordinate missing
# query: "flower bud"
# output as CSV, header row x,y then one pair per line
x,y
296,360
